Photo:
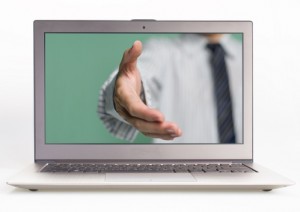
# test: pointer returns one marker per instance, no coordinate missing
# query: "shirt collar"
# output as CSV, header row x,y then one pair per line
x,y
225,42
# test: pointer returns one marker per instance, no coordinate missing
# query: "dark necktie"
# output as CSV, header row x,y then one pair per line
x,y
222,94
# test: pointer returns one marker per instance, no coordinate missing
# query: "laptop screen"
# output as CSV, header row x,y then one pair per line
x,y
143,88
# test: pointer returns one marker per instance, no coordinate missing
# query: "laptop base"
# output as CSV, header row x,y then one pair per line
x,y
265,180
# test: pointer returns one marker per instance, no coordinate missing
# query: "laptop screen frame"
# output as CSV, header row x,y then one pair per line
x,y
106,151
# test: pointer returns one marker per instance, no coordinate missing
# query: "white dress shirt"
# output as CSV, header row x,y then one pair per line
x,y
177,80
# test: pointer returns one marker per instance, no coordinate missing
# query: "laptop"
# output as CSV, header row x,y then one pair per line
x,y
144,104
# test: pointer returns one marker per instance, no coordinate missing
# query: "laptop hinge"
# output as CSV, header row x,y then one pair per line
x,y
144,161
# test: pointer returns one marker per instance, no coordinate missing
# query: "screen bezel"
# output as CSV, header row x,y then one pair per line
x,y
106,151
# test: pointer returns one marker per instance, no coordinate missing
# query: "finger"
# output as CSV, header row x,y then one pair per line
x,y
130,55
149,115
161,128
136,107
164,137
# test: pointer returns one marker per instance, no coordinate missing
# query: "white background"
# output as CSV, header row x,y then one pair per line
x,y
276,101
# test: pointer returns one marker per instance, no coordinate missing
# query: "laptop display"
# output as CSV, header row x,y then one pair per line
x,y
138,90
101,87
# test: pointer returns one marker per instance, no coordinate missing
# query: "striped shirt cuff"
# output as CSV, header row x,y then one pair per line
x,y
112,121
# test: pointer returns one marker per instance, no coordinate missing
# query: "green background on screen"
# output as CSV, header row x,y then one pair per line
x,y
76,66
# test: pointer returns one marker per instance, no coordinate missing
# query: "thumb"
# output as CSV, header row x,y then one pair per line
x,y
134,52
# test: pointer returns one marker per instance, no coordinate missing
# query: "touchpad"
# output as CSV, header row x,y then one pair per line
x,y
149,177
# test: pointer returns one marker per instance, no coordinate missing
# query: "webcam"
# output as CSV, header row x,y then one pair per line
x,y
143,27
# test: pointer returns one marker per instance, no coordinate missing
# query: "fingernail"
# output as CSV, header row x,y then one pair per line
x,y
179,131
170,131
173,135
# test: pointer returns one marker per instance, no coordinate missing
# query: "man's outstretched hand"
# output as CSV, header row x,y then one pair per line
x,y
130,106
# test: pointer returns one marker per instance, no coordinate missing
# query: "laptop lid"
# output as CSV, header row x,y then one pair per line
x,y
74,59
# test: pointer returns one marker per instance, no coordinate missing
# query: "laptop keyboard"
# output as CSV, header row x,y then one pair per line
x,y
135,168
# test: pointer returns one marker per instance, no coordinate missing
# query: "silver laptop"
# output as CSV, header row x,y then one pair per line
x,y
144,104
